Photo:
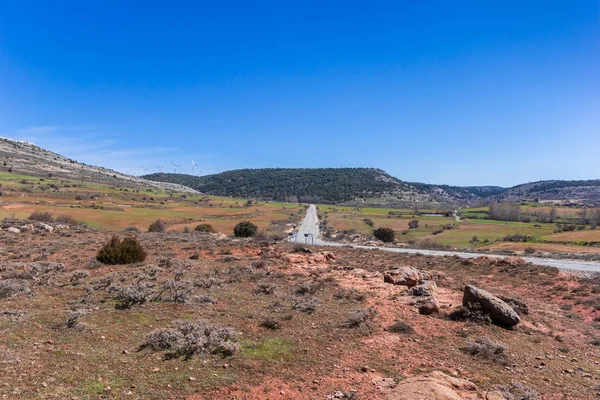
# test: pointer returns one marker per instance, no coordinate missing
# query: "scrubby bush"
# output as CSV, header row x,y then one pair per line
x,y
518,391
469,314
400,327
369,222
386,235
245,229
185,339
487,349
517,237
117,251
529,250
66,219
12,287
265,288
41,216
132,229
157,226
270,323
204,228
361,320
414,224
307,306
130,295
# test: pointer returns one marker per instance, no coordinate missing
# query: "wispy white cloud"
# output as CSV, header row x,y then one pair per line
x,y
105,149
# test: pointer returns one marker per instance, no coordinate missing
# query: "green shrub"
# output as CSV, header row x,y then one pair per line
x,y
384,234
117,251
245,229
414,224
205,228
157,226
369,222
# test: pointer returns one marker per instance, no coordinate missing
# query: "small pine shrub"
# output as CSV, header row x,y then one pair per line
x,y
117,251
157,226
245,229
204,228
384,234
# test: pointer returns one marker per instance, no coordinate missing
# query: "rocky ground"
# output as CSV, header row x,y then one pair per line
x,y
208,317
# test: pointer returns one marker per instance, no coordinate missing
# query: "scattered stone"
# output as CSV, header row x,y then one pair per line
x,y
480,300
429,307
426,288
433,386
384,382
495,395
12,229
406,276
519,306
46,227
513,261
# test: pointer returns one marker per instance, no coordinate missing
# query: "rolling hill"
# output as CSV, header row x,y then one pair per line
x,y
349,186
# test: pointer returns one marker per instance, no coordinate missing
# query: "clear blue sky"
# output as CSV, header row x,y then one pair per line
x,y
457,92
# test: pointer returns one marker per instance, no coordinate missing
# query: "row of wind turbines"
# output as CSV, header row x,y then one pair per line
x,y
175,166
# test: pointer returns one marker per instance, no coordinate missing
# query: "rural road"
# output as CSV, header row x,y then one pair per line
x,y
310,225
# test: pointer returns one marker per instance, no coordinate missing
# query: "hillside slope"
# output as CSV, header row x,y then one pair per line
x,y
325,185
554,190
26,158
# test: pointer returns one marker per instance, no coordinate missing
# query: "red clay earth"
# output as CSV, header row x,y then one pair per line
x,y
313,352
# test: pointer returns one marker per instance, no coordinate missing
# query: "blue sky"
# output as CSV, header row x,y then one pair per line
x,y
456,92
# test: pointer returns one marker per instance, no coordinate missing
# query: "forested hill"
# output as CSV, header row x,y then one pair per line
x,y
323,185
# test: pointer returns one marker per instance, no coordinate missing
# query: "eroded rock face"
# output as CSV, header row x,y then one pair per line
x,y
433,386
481,300
406,276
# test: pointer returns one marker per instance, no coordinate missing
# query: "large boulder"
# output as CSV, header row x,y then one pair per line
x,y
406,276
477,299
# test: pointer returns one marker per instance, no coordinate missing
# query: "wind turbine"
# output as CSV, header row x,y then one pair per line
x,y
193,167
160,167
175,166
145,169
129,171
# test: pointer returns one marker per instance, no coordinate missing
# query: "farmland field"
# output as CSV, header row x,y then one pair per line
x,y
118,208
469,233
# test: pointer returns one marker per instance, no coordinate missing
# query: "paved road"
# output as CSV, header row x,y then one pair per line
x,y
310,225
